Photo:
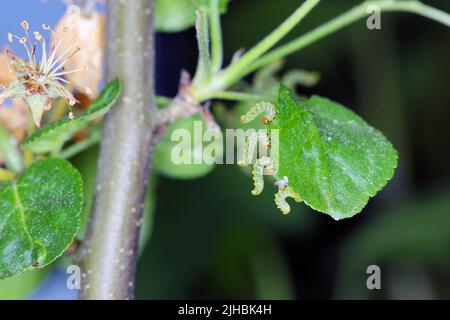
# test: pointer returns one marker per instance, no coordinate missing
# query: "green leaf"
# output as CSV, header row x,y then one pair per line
x,y
52,137
162,158
178,15
333,159
39,215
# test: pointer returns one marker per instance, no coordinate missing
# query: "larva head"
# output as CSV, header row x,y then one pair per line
x,y
284,109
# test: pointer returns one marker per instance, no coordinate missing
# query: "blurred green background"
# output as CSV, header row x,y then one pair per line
x,y
211,239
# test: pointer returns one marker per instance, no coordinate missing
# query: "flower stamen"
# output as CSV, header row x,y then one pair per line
x,y
39,83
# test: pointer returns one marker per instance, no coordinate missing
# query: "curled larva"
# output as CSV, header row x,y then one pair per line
x,y
258,174
282,195
268,163
255,111
250,146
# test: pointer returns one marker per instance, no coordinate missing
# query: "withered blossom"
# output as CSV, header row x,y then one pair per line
x,y
7,74
40,82
88,31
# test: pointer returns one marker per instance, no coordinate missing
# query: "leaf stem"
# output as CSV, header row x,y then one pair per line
x,y
204,70
92,139
231,75
235,96
342,21
216,36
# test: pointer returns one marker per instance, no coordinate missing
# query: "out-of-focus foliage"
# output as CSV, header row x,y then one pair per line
x,y
22,285
188,144
399,240
177,15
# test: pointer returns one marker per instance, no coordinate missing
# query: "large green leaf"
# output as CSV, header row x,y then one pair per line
x,y
52,137
333,159
177,15
39,215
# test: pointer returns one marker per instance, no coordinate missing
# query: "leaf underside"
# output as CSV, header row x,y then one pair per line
x,y
51,138
334,160
39,215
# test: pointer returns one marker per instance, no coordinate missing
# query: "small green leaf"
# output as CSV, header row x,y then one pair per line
x,y
52,137
334,160
162,158
39,215
178,15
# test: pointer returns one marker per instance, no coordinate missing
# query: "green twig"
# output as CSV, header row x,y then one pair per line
x,y
92,139
235,96
231,75
216,36
204,70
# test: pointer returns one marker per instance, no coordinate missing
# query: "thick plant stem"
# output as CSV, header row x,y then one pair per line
x,y
109,251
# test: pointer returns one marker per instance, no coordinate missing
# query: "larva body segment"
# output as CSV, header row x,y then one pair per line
x,y
251,144
258,174
282,195
261,107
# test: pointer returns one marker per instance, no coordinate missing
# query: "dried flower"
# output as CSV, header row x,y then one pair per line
x,y
40,82
88,31
7,74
